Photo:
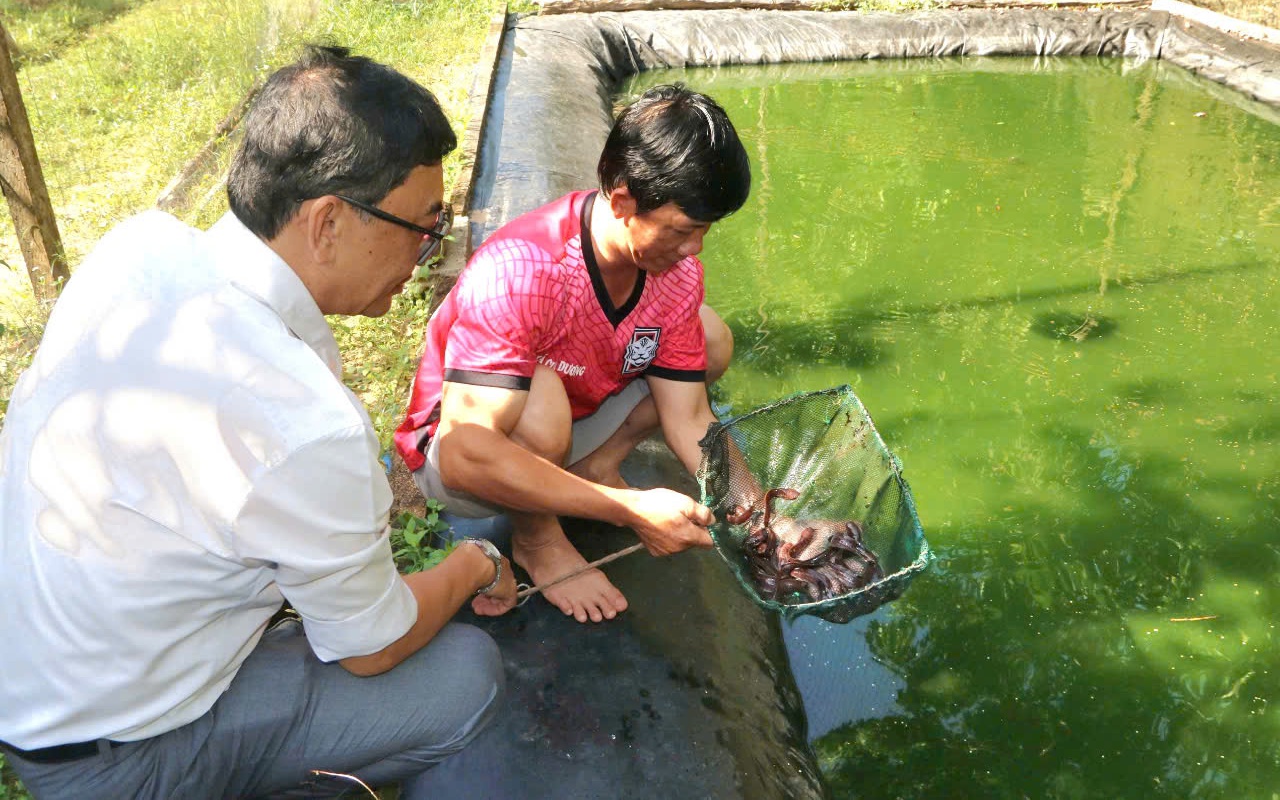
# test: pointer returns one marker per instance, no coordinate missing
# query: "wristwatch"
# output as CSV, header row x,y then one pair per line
x,y
494,556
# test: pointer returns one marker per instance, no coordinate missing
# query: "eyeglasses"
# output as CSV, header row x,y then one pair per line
x,y
431,237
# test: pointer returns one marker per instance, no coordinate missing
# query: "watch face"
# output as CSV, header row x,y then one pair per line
x,y
489,549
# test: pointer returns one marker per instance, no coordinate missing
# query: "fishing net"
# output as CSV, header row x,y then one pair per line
x,y
812,512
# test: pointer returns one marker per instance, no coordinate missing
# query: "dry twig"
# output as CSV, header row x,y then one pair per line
x,y
326,773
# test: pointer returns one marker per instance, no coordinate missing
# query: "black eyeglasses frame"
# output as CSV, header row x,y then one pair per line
x,y
432,237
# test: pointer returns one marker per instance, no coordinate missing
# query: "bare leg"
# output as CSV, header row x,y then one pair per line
x,y
719,343
538,542
602,464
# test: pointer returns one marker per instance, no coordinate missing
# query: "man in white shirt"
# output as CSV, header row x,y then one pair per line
x,y
182,457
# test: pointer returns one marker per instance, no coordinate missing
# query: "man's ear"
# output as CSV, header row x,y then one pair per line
x,y
622,203
322,223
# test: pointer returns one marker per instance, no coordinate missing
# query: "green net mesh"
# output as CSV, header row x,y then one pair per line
x,y
828,468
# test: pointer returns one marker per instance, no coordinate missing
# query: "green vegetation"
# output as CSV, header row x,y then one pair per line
x,y
41,31
10,786
412,538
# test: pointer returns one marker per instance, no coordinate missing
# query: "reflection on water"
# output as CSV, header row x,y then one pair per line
x,y
1054,284
837,674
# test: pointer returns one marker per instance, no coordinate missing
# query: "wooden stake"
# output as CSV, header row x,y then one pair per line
x,y
24,187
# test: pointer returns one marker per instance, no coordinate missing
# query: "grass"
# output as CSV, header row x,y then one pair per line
x,y
42,30
10,787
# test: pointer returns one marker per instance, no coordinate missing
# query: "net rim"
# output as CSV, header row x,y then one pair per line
x,y
901,577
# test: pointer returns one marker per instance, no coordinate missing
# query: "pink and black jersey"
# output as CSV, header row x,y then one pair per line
x,y
533,294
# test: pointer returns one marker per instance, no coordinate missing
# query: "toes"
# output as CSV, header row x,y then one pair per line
x,y
604,606
590,601
579,609
616,599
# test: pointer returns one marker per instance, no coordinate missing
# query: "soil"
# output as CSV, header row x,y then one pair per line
x,y
406,496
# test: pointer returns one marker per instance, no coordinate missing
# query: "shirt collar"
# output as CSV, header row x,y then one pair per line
x,y
258,271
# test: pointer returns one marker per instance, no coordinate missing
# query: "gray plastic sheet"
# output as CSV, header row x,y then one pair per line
x,y
1251,68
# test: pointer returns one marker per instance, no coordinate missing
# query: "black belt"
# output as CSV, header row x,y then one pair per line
x,y
61,753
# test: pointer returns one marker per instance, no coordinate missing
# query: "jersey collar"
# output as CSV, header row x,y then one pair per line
x,y
614,315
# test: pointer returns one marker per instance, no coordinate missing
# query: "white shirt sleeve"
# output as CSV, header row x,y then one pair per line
x,y
320,517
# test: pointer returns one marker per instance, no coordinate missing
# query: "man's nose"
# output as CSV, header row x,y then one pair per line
x,y
693,245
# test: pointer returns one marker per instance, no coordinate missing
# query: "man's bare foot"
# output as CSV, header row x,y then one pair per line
x,y
590,595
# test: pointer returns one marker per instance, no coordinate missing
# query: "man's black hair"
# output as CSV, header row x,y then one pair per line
x,y
331,123
675,145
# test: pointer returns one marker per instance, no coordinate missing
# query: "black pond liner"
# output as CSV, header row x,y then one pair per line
x,y
690,692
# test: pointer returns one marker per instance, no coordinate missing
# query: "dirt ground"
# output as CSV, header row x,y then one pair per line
x,y
405,491
1259,12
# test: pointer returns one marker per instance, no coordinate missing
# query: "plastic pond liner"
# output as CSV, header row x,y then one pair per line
x,y
691,692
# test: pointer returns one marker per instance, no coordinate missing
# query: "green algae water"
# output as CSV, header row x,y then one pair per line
x,y
1053,284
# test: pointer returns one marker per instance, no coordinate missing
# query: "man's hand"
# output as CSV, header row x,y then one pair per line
x,y
668,522
503,597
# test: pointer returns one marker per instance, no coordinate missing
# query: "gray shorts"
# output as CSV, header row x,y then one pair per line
x,y
588,434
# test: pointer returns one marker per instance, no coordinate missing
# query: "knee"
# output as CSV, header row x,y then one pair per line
x,y
545,426
719,343
478,653
474,680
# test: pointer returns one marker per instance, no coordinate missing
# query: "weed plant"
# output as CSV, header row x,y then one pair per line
x,y
413,539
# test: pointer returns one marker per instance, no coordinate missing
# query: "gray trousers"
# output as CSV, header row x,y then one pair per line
x,y
286,714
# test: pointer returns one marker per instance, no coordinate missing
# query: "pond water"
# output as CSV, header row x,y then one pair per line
x,y
1053,284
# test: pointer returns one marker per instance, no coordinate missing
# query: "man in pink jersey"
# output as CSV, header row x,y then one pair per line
x,y
527,398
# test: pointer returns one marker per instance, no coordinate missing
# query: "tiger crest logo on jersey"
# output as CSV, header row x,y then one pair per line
x,y
641,350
